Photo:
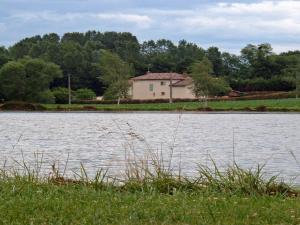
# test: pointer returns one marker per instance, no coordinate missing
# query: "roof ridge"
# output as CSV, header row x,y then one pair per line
x,y
160,76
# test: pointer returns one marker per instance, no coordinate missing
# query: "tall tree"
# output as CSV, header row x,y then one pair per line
x,y
293,71
215,57
23,47
201,74
13,81
115,74
27,79
73,63
4,56
186,54
257,60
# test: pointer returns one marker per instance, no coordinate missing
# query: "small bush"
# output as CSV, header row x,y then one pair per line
x,y
85,94
220,87
46,97
61,95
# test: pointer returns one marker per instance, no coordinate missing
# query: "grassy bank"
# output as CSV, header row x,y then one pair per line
x,y
32,203
235,196
292,105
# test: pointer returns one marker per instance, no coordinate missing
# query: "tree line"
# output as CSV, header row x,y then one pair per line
x,y
36,68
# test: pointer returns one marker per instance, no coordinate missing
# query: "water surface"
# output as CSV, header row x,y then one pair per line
x,y
105,140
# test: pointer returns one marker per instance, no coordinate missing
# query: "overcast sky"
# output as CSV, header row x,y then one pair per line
x,y
228,24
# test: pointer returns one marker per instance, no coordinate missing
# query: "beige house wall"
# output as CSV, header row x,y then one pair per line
x,y
141,90
185,92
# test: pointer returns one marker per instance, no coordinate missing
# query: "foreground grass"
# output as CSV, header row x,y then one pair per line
x,y
239,105
23,202
235,196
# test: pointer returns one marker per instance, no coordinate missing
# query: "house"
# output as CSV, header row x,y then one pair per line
x,y
160,85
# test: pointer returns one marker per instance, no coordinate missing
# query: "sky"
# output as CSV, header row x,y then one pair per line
x,y
228,24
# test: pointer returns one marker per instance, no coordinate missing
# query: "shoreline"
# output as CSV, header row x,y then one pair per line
x,y
216,107
155,112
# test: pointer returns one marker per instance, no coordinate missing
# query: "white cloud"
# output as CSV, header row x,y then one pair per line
x,y
267,17
227,25
263,7
142,21
284,47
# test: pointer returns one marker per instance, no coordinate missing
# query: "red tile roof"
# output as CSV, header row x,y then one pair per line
x,y
160,76
182,83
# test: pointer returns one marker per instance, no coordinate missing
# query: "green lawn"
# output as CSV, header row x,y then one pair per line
x,y
239,105
31,203
145,196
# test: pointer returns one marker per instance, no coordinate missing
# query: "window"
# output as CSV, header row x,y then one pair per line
x,y
151,87
163,93
162,83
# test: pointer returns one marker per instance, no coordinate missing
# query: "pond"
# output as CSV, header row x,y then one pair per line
x,y
109,140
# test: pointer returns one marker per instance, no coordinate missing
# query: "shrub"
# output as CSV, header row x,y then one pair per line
x,y
260,84
61,95
110,95
220,87
85,94
46,97
22,106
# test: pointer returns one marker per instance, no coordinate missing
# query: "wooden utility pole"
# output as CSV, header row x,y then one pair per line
x,y
69,88
171,89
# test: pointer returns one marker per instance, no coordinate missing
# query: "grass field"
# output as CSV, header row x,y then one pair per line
x,y
239,105
235,196
31,203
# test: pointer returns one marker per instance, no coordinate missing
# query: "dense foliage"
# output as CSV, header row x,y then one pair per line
x,y
28,80
61,95
256,68
85,94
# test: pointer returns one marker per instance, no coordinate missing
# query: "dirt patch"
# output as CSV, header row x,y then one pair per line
x,y
21,106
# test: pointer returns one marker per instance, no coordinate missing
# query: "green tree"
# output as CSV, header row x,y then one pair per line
x,y
201,74
4,56
293,71
297,74
115,74
76,37
187,53
23,47
159,55
258,60
13,81
231,65
215,57
27,78
73,64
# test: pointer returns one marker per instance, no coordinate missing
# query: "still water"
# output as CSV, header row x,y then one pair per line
x,y
108,140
